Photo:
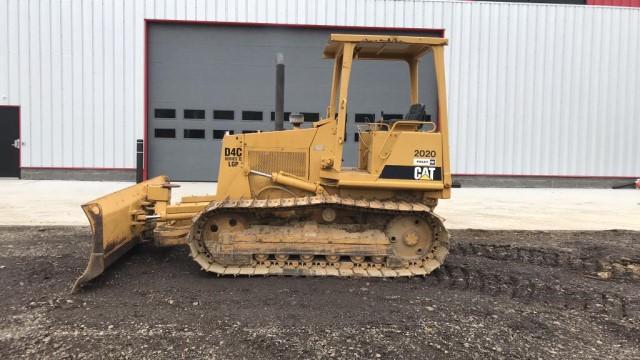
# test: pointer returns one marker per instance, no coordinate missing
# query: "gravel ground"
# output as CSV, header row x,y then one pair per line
x,y
501,294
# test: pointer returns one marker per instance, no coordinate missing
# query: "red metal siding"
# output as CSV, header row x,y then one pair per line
x,y
628,3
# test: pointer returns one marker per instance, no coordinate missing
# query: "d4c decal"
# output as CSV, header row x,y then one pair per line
x,y
430,173
232,156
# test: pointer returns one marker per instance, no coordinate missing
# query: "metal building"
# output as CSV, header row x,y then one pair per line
x,y
534,89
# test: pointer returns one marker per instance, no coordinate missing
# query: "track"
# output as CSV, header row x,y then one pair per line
x,y
343,266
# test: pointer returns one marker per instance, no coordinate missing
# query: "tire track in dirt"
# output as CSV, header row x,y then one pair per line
x,y
529,289
553,277
621,267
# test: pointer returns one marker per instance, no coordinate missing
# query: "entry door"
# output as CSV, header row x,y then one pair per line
x,y
9,142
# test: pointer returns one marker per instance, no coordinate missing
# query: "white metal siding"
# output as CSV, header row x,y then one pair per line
x,y
533,89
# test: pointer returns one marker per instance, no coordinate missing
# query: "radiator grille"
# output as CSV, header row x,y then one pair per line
x,y
292,162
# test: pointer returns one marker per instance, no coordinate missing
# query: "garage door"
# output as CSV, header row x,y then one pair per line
x,y
205,80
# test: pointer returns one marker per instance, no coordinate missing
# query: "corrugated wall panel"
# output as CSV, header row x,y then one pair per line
x,y
533,89
12,87
19,92
4,59
56,89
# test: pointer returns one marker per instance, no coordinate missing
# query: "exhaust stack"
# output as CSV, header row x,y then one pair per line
x,y
279,116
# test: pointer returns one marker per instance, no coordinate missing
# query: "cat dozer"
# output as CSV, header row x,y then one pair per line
x,y
285,205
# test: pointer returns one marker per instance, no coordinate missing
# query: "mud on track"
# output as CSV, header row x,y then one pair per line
x,y
500,295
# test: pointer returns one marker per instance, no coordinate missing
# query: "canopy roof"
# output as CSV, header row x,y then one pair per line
x,y
382,46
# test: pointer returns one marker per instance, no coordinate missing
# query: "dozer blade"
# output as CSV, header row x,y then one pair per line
x,y
112,223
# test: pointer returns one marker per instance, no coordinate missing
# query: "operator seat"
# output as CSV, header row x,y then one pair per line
x,y
416,113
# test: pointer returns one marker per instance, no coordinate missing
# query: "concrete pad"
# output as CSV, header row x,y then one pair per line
x,y
542,209
56,202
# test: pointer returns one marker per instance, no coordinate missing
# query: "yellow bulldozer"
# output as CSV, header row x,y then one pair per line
x,y
285,205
